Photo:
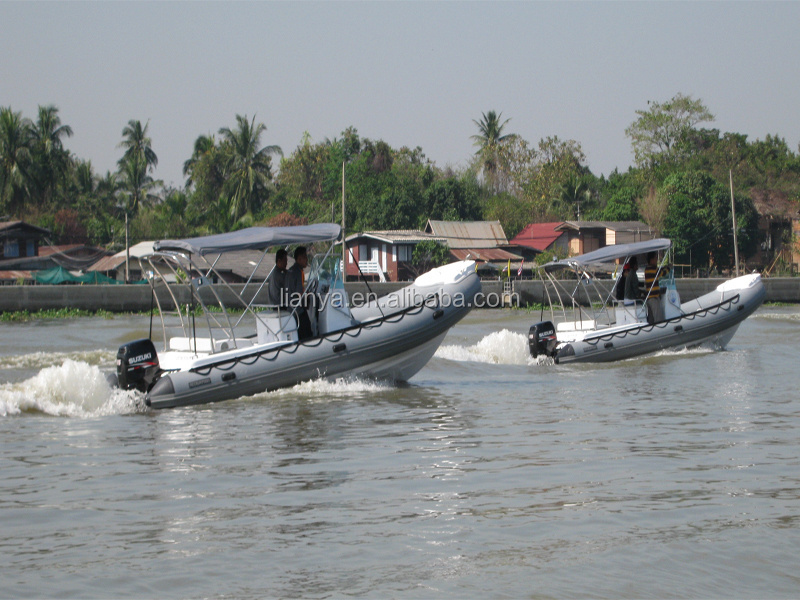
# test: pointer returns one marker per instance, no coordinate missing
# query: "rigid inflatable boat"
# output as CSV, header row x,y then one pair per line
x,y
211,352
588,323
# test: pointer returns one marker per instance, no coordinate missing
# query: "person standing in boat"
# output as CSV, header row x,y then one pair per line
x,y
295,286
631,283
619,287
655,310
276,290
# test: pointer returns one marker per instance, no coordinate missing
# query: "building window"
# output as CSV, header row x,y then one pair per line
x,y
11,249
404,253
31,248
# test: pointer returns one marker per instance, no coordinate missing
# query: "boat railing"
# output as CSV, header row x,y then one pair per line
x,y
583,303
224,318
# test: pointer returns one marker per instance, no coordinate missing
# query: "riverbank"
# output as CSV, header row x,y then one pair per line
x,y
137,298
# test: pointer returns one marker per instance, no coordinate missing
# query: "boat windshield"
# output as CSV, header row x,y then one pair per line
x,y
327,270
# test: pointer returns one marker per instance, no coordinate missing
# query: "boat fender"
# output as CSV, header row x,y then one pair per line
x,y
137,365
542,339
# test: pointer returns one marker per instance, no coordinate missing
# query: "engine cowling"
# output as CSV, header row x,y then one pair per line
x,y
542,339
137,365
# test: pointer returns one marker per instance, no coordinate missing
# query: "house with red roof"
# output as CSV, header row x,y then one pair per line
x,y
570,238
542,237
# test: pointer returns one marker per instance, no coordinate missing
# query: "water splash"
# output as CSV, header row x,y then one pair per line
x,y
500,347
40,360
342,386
71,389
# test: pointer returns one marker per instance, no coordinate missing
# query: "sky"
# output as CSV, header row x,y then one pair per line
x,y
409,73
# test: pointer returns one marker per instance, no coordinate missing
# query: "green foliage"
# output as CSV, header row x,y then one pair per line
x,y
699,220
138,146
489,141
246,167
428,255
662,134
514,214
163,219
230,184
619,198
24,316
385,188
452,199
16,141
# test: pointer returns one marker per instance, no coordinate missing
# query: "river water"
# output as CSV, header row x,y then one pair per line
x,y
489,476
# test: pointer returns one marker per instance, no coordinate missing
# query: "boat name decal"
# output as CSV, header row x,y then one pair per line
x,y
199,382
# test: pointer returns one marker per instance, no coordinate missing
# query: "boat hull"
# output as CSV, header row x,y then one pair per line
x,y
710,319
394,339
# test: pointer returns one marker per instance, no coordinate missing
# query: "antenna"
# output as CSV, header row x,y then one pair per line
x,y
733,214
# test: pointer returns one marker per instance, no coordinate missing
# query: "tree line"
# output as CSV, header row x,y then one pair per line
x,y
679,184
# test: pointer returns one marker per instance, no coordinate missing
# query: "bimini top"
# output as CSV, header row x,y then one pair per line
x,y
252,238
605,259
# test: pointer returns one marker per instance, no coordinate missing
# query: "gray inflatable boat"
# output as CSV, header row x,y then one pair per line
x,y
258,349
596,327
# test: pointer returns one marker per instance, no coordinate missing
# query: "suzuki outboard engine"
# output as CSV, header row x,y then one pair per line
x,y
542,339
137,365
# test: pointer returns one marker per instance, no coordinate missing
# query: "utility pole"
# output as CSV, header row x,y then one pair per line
x,y
733,214
344,244
127,250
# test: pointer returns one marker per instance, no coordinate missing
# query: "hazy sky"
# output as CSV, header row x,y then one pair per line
x,y
410,73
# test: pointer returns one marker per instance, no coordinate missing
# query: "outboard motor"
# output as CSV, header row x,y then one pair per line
x,y
137,365
542,339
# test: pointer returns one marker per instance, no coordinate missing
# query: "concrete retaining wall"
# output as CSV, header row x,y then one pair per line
x,y
136,298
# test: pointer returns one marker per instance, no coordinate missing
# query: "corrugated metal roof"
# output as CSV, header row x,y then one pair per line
x,y
397,236
484,254
538,236
8,225
620,226
14,275
241,263
109,263
469,234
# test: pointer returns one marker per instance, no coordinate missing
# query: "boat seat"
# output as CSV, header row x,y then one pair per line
x,y
223,345
187,344
586,324
635,313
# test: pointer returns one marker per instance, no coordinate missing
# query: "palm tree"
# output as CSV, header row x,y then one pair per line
x,y
247,166
136,143
489,139
49,130
204,147
16,135
51,160
572,193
